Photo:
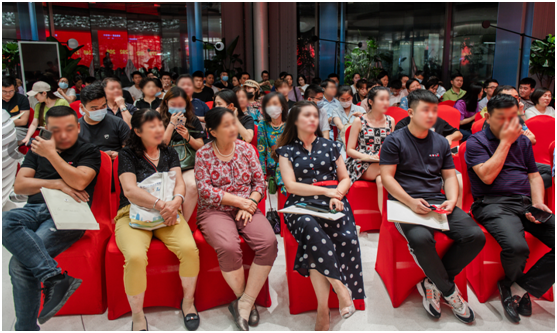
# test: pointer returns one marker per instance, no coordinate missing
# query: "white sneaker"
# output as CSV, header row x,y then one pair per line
x,y
431,297
460,308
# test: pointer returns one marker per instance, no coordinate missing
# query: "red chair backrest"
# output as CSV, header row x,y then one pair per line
x,y
359,104
347,136
449,114
397,113
478,116
31,116
101,194
75,106
209,104
478,125
117,188
551,151
448,103
467,198
543,128
254,140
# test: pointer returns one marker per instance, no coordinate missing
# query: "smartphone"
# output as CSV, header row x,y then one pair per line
x,y
539,214
45,134
316,208
180,121
454,150
29,142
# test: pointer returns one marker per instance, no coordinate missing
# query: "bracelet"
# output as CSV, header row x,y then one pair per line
x,y
155,203
173,124
179,195
257,203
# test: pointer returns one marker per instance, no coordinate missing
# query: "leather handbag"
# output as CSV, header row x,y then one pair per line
x,y
186,153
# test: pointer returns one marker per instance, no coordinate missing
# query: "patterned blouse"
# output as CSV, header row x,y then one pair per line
x,y
267,137
255,114
240,176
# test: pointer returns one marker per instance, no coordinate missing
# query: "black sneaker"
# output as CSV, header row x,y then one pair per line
x,y
525,306
57,290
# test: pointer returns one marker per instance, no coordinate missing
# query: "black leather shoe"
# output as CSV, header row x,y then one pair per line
x,y
253,317
146,325
509,302
525,306
191,320
240,322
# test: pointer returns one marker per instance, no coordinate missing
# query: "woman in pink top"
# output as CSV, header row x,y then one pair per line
x,y
468,107
230,184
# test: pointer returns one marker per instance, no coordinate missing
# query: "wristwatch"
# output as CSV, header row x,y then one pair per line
x,y
124,109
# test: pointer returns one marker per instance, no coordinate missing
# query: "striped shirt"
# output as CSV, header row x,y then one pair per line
x,y
513,178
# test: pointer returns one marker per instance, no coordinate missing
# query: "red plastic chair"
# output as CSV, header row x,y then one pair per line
x,y
478,125
85,258
448,103
397,266
478,116
115,196
210,104
485,270
254,140
362,197
543,128
75,106
164,283
397,113
550,192
450,115
25,149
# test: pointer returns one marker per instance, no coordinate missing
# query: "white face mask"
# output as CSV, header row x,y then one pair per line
x,y
274,111
345,105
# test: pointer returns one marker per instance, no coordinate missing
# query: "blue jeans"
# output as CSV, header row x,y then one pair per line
x,y
31,237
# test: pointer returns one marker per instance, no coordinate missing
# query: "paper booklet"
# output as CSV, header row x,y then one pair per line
x,y
302,211
399,212
67,213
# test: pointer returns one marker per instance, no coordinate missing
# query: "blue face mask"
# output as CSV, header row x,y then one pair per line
x,y
97,115
158,94
224,78
63,85
320,104
176,110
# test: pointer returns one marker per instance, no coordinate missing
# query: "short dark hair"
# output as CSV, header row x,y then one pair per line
x,y
183,76
136,73
529,81
537,94
410,81
502,101
139,118
343,90
282,74
361,83
382,74
283,104
455,75
166,74
316,80
59,111
91,92
430,83
279,83
404,75
333,75
396,84
244,73
7,82
421,95
488,81
499,89
356,73
419,73
224,71
105,81
213,119
326,82
146,80
91,79
207,73
197,74
265,72
312,90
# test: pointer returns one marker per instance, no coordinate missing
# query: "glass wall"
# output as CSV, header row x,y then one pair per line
x,y
306,51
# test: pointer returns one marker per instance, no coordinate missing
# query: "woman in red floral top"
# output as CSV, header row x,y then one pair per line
x,y
230,185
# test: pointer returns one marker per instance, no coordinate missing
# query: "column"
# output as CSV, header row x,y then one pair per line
x,y
506,62
260,39
328,29
195,28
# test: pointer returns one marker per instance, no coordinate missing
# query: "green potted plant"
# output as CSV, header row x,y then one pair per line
x,y
362,61
10,57
542,60
69,66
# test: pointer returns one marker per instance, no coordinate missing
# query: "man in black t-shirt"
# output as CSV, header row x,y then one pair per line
x,y
201,91
415,164
15,103
63,163
107,133
441,126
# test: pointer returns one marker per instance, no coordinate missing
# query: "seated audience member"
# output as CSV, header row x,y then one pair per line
x,y
526,87
77,84
200,90
361,91
302,83
185,82
266,83
440,89
404,78
64,163
235,81
396,88
314,93
135,90
456,92
183,128
109,134
281,87
294,93
151,90
489,88
383,79
330,103
252,89
372,83
19,86
355,78
269,130
245,124
541,98
227,208
411,85
46,98
15,104
166,81
329,253
366,138
243,101
210,80
505,182
347,113
144,155
65,91
419,76
117,106
433,85
468,107
223,83
316,80
335,78
415,177
243,77
508,90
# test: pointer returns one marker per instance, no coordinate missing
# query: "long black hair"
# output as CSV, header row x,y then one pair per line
x,y
213,118
471,97
283,104
139,118
176,92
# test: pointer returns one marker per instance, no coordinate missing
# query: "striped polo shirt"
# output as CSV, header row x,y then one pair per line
x,y
513,178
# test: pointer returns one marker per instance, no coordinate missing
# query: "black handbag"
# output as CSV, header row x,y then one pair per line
x,y
274,219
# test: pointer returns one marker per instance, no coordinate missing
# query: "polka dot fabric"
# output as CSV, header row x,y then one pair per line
x,y
330,247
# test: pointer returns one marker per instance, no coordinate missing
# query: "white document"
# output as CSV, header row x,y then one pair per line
x,y
399,212
302,211
67,213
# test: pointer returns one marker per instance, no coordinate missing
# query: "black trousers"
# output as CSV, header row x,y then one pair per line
x,y
504,219
468,242
546,173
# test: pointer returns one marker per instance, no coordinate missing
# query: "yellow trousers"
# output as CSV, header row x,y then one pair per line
x,y
134,244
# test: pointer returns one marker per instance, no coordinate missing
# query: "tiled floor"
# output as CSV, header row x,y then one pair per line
x,y
379,315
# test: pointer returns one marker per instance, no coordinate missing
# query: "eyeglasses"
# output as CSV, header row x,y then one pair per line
x,y
492,87
8,92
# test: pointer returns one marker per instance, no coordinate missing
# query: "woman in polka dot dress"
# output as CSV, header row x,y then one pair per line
x,y
328,251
